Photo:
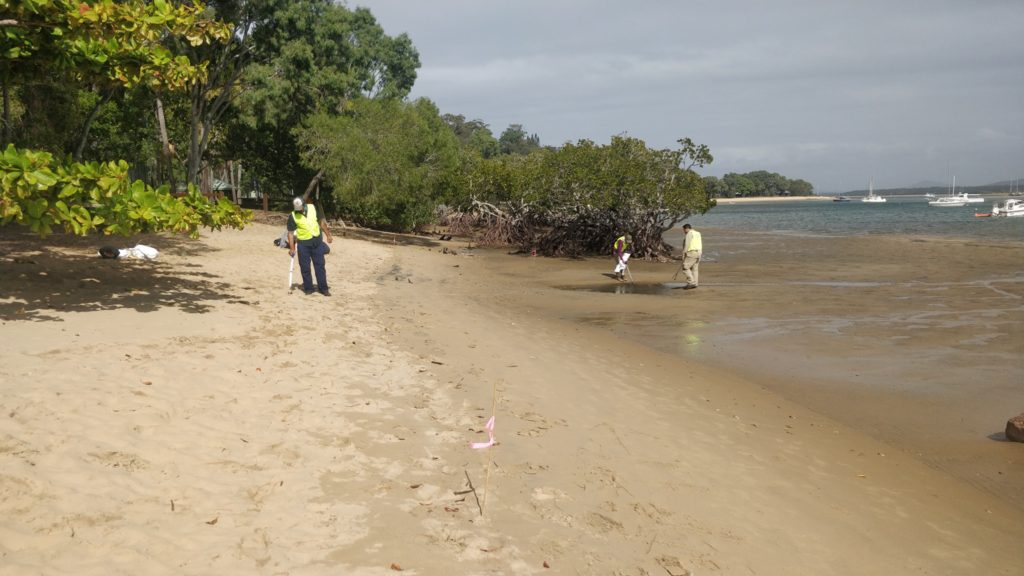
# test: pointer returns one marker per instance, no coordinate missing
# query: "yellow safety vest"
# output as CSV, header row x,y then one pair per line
x,y
306,225
621,239
695,243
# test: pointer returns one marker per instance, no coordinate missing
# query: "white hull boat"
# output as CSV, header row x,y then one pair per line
x,y
1012,207
872,197
970,198
948,202
954,200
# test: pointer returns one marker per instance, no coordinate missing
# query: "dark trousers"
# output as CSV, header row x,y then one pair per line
x,y
313,251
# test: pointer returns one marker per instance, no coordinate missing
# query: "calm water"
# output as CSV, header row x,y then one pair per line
x,y
899,215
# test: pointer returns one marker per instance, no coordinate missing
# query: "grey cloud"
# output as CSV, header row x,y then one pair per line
x,y
823,90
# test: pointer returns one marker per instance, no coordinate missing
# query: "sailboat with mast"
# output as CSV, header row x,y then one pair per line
x,y
872,197
951,201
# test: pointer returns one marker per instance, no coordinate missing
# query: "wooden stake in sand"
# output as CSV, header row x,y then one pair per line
x,y
490,442
490,431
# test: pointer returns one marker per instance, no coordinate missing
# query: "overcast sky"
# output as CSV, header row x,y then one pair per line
x,y
831,91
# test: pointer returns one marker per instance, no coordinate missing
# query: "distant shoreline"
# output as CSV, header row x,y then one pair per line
x,y
758,199
766,199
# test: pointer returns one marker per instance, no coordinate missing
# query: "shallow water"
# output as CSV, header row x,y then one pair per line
x,y
915,341
657,288
676,288
899,215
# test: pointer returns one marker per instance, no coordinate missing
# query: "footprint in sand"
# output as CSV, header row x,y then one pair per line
x,y
672,565
545,503
542,424
114,459
256,546
651,511
602,524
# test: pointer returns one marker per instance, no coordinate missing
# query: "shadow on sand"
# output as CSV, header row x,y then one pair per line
x,y
41,277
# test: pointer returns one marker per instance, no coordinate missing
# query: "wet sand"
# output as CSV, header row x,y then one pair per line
x,y
915,341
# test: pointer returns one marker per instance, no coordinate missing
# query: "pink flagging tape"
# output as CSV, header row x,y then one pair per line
x,y
490,434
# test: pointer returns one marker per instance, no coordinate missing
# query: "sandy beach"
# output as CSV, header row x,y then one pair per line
x,y
191,415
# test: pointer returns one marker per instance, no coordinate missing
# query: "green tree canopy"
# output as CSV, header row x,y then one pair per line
x,y
757,183
310,57
114,42
388,162
515,140
473,135
575,199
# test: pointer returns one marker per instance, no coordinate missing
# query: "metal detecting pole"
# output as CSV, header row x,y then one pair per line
x,y
291,272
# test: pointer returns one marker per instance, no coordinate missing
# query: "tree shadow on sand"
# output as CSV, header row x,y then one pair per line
x,y
40,279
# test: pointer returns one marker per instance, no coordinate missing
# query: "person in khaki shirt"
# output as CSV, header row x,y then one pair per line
x,y
692,249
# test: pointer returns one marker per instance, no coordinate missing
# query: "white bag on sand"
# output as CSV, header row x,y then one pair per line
x,y
139,251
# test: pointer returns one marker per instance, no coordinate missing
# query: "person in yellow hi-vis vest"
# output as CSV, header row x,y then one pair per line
x,y
622,251
307,231
692,250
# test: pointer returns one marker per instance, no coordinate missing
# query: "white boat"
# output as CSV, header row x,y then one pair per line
x,y
1011,207
948,201
929,195
872,197
971,198
953,200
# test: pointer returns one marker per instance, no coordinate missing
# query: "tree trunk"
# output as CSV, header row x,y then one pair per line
x,y
195,136
104,98
235,169
166,152
312,185
6,135
165,144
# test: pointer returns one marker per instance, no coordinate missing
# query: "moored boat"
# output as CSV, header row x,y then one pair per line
x,y
953,200
971,198
948,202
872,197
1011,207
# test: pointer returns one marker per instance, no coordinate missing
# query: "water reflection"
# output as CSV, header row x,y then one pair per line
x,y
669,334
659,288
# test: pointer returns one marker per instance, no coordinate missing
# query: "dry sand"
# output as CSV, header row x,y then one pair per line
x,y
191,416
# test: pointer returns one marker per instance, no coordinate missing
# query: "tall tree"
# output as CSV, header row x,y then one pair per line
x,y
473,135
211,94
316,57
108,41
739,185
800,187
388,162
515,140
